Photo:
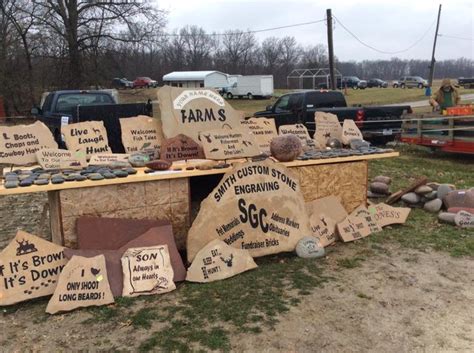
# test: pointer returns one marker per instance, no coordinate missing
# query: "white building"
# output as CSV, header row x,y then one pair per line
x,y
196,79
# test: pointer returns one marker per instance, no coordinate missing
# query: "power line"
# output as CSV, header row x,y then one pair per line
x,y
456,37
244,32
383,51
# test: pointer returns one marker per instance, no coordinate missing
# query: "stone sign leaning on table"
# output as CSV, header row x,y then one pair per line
x,y
261,209
88,136
19,144
193,111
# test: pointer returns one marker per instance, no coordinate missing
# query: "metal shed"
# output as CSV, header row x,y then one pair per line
x,y
196,79
311,78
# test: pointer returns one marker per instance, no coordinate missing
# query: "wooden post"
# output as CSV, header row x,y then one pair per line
x,y
331,49
55,218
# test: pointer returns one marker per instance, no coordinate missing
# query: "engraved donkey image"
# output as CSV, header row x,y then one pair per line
x,y
228,261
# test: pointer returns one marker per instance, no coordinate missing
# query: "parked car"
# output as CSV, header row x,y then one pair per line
x,y
353,82
377,82
121,83
144,82
378,122
74,106
466,82
413,81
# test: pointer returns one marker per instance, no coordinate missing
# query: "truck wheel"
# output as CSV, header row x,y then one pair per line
x,y
249,95
354,87
402,85
420,85
395,86
229,95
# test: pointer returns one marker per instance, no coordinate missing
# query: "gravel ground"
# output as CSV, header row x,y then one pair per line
x,y
23,212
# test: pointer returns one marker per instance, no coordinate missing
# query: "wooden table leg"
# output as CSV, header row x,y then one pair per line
x,y
55,217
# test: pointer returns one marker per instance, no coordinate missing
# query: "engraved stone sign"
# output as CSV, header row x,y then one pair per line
x,y
353,228
108,158
298,130
217,261
29,268
82,283
327,126
229,144
385,215
261,209
140,133
89,137
53,158
264,130
147,271
363,212
464,219
350,131
181,147
18,144
323,228
193,111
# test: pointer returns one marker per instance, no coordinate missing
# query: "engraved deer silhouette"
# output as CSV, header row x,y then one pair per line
x,y
25,247
228,261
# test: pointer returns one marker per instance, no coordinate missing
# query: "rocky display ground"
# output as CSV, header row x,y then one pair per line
x,y
408,288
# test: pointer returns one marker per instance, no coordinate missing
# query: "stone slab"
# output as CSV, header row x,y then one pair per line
x,y
218,261
29,268
82,283
147,271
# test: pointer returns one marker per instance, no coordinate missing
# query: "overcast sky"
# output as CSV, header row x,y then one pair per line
x,y
386,25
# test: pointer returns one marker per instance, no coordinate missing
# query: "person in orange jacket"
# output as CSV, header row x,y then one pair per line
x,y
446,96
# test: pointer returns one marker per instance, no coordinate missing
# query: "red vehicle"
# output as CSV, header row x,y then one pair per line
x,y
144,82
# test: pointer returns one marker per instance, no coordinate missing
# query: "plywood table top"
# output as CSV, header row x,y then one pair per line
x,y
141,176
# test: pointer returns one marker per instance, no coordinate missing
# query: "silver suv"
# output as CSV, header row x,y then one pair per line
x,y
412,81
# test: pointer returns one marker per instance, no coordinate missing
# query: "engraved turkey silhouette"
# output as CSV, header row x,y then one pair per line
x,y
95,271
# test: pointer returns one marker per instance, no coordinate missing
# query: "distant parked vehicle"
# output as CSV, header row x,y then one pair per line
x,y
144,82
121,83
413,81
353,82
466,82
377,82
253,86
395,84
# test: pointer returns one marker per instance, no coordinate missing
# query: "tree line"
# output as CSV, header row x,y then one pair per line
x,y
74,44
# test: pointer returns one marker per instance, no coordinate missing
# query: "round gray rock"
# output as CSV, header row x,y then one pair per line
x,y
41,181
11,184
446,217
411,198
432,195
308,248
443,190
423,190
382,179
95,176
433,206
379,188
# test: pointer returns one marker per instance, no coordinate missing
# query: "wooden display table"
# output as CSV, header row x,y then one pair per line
x,y
166,194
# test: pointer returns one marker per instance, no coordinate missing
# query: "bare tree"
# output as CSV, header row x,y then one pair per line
x,y
198,47
84,24
236,51
271,53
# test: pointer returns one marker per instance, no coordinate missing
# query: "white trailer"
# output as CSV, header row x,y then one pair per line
x,y
250,86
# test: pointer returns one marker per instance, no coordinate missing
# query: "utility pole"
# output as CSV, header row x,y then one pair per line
x,y
331,49
433,60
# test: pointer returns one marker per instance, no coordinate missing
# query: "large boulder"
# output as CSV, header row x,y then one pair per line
x,y
459,198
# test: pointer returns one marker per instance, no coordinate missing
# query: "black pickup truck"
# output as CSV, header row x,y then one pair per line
x,y
74,106
466,82
375,122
